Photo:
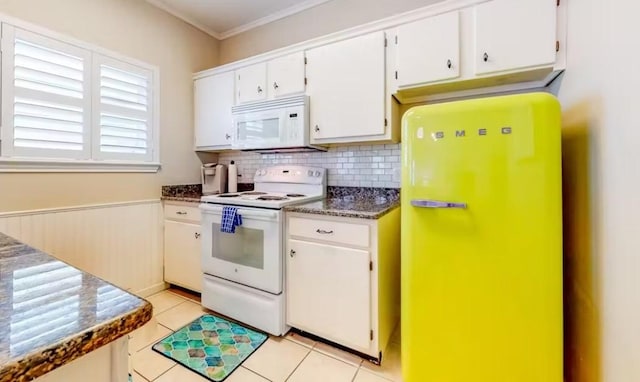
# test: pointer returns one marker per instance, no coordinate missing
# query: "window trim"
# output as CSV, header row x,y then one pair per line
x,y
20,164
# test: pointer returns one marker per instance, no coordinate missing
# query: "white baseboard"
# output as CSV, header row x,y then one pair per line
x,y
146,292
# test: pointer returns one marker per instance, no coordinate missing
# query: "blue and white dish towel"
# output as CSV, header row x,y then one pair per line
x,y
230,219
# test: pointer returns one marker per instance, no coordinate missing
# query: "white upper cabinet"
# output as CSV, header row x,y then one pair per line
x,y
285,75
514,34
428,50
251,83
346,86
356,84
213,98
279,77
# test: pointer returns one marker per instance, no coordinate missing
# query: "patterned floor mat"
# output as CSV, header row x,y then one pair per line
x,y
211,346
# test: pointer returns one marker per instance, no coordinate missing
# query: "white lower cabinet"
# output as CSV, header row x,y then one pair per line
x,y
326,279
343,279
182,247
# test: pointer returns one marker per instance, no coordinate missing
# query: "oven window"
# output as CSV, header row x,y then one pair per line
x,y
245,247
260,129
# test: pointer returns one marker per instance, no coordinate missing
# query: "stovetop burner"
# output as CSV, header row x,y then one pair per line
x,y
254,193
271,197
228,195
296,195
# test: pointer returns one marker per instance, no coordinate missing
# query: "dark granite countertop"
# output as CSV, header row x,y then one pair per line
x,y
52,313
192,193
182,193
352,202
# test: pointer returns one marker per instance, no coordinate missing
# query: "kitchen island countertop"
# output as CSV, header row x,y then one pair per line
x,y
52,313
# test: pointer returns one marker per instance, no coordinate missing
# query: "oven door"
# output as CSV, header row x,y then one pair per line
x,y
251,256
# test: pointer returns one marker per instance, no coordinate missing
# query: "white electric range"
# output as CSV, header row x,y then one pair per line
x,y
244,271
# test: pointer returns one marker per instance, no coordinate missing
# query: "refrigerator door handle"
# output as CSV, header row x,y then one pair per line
x,y
423,203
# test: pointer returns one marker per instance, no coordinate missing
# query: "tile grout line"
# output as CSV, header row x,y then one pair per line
x,y
251,371
298,365
140,375
166,327
156,378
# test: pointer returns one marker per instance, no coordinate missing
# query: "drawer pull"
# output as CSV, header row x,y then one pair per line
x,y
323,232
181,213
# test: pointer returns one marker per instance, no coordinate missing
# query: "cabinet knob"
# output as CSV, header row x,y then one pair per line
x,y
317,128
259,89
197,235
292,253
275,85
485,57
449,64
181,213
227,136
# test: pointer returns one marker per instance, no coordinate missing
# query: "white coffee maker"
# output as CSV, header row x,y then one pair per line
x,y
214,178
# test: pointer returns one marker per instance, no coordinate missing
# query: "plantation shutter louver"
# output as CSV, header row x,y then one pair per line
x,y
46,88
124,106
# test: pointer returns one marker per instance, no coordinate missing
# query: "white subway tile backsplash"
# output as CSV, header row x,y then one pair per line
x,y
348,166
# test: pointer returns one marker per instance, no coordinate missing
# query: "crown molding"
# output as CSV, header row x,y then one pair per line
x,y
300,7
187,19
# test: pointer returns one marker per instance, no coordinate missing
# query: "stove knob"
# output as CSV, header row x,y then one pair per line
x,y
310,173
317,174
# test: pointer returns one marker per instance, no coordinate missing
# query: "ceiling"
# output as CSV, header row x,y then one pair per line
x,y
225,18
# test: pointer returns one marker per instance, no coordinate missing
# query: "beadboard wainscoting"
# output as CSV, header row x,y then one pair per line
x,y
120,242
349,166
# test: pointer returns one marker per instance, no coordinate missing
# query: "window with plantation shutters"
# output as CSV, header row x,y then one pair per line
x,y
69,105
46,97
123,110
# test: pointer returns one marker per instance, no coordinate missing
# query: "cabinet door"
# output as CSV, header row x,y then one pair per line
x,y
329,292
285,75
251,83
346,86
213,100
182,252
512,34
429,50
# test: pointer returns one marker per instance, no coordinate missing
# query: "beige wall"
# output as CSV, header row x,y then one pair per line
x,y
323,19
135,29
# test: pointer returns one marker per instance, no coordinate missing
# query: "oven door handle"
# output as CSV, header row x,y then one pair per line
x,y
208,208
264,214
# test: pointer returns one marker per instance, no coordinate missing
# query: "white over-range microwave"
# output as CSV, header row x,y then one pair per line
x,y
279,125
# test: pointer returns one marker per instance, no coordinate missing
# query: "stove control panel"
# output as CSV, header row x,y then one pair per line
x,y
290,174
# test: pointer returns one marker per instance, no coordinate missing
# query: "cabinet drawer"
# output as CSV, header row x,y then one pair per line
x,y
337,232
182,212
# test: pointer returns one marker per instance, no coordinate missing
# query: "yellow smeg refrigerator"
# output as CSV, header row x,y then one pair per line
x,y
482,241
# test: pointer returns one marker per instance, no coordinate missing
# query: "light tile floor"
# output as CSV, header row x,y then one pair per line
x,y
292,358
